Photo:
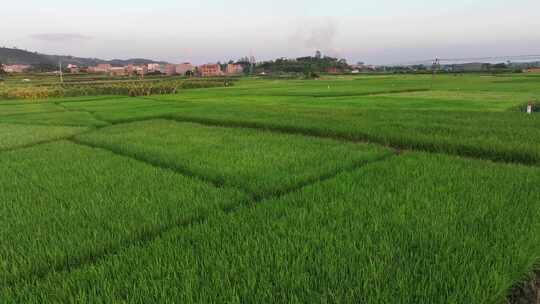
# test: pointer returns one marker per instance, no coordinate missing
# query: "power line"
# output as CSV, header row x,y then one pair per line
x,y
472,59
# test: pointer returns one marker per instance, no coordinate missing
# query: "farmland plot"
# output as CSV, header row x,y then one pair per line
x,y
64,204
19,135
126,109
498,136
71,118
416,228
261,163
274,191
26,108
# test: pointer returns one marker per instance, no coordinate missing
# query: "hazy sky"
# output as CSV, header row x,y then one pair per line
x,y
374,31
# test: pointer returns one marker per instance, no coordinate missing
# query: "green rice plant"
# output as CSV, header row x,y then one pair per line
x,y
125,109
27,108
417,228
19,135
65,205
464,122
71,118
261,163
507,136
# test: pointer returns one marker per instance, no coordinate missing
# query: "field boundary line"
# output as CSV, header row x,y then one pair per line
x,y
17,102
177,169
30,113
48,141
106,97
256,199
218,183
361,138
366,93
146,236
53,124
93,114
374,93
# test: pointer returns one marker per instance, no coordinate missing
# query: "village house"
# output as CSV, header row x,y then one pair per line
x,y
234,69
532,70
333,70
141,70
73,69
153,67
15,68
170,69
209,70
183,68
118,71
100,68
132,69
104,66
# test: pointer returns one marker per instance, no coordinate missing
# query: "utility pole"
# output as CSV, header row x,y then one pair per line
x,y
251,63
434,68
60,70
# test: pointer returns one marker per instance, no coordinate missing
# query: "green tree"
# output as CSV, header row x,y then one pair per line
x,y
3,73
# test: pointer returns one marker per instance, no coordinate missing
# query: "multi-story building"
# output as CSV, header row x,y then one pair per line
x,y
234,69
136,69
209,70
100,68
141,70
104,67
183,68
170,69
118,71
154,67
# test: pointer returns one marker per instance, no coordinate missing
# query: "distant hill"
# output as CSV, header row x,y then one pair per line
x,y
18,56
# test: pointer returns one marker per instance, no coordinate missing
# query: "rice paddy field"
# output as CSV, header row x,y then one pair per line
x,y
346,189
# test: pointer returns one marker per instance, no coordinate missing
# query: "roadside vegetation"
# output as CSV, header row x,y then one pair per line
x,y
129,88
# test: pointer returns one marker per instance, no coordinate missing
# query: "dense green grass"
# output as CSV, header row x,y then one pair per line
x,y
19,135
261,163
64,204
414,229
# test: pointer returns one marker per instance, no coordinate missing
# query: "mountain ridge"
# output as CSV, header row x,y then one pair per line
x,y
19,56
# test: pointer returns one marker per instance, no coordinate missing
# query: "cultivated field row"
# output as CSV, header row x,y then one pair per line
x,y
491,142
